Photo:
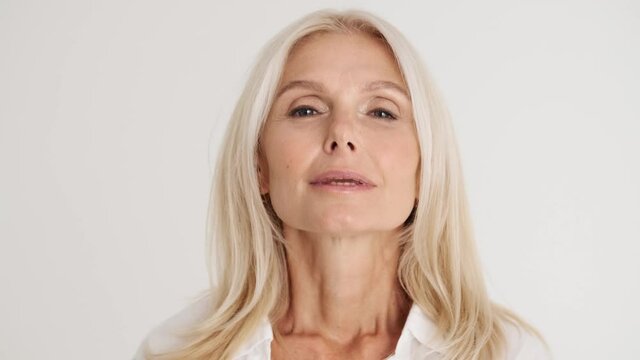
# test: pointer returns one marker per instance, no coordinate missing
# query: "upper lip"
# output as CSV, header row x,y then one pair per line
x,y
341,175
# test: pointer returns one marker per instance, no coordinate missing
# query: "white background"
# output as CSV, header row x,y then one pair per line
x,y
111,114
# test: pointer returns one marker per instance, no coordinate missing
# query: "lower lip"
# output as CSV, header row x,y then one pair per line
x,y
342,188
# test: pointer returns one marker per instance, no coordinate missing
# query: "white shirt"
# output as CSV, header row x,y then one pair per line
x,y
417,341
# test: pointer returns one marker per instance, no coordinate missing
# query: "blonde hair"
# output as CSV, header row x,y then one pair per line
x,y
438,266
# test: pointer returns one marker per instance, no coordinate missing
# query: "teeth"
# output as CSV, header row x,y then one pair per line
x,y
344,182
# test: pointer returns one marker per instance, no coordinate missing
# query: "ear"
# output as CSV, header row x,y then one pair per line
x,y
263,175
418,175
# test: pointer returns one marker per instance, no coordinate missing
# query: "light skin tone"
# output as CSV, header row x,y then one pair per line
x,y
346,302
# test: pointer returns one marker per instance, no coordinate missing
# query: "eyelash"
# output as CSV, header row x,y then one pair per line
x,y
391,116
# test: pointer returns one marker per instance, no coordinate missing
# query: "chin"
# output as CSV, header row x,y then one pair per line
x,y
348,226
344,221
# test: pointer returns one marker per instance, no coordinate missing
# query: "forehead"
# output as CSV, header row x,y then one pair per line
x,y
341,55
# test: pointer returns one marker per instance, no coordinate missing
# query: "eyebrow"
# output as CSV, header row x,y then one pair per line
x,y
316,86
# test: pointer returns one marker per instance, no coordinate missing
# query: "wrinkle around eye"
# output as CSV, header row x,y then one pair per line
x,y
306,102
380,102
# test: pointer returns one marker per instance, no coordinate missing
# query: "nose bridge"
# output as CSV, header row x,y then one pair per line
x,y
341,132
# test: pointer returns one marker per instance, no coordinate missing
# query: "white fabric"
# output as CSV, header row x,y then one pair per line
x,y
417,341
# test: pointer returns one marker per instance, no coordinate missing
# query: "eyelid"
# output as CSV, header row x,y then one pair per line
x,y
291,113
307,104
385,103
392,115
300,107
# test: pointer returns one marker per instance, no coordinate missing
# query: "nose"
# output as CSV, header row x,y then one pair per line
x,y
340,134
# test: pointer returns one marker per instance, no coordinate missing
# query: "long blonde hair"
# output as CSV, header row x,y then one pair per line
x,y
438,266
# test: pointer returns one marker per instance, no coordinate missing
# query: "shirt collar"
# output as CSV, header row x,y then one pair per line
x,y
418,324
424,329
262,336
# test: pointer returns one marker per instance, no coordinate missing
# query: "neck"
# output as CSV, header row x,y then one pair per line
x,y
343,288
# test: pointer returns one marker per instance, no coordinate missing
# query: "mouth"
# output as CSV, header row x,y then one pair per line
x,y
342,181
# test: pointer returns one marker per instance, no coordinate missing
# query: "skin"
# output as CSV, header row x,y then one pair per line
x,y
346,302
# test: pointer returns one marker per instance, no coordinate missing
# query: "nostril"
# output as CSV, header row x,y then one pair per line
x,y
334,145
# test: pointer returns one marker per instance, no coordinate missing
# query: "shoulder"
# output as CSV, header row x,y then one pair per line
x,y
524,345
166,335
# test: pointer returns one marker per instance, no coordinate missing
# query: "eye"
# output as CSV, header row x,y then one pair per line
x,y
302,111
384,113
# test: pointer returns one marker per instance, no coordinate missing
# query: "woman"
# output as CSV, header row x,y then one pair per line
x,y
339,227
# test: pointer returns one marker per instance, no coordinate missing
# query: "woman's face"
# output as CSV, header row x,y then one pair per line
x,y
342,110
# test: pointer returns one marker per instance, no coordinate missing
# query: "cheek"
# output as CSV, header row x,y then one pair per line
x,y
400,162
287,162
